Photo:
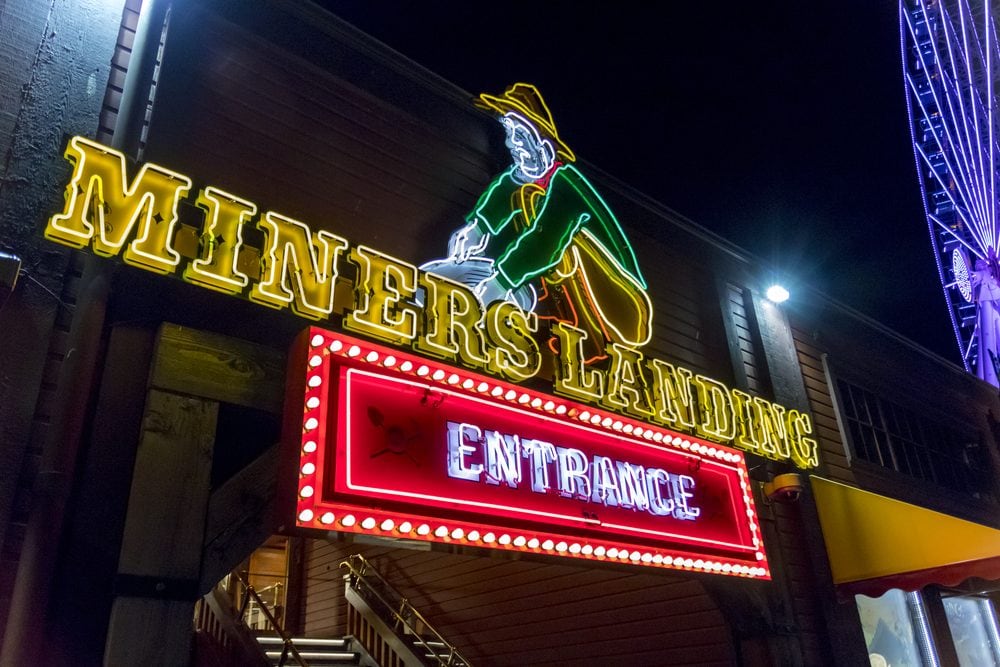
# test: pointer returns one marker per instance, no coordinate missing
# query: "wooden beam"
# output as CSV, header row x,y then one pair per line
x,y
224,369
240,517
179,537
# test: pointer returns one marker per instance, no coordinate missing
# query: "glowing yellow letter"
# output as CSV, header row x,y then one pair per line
x,y
672,395
383,296
803,450
222,237
717,422
772,427
100,207
628,388
573,379
297,269
452,322
748,421
509,328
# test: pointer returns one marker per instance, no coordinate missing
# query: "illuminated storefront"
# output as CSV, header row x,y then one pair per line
x,y
539,404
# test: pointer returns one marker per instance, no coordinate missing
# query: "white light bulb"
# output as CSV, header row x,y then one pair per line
x,y
777,294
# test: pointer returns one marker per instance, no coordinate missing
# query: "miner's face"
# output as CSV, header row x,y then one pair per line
x,y
533,155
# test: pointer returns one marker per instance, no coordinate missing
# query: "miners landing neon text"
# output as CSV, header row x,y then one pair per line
x,y
395,302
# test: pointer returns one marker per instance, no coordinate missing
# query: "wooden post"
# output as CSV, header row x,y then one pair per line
x,y
161,552
179,537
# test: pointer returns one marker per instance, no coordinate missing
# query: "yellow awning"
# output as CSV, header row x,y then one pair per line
x,y
876,543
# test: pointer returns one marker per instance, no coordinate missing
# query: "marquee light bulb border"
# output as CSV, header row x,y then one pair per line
x,y
326,348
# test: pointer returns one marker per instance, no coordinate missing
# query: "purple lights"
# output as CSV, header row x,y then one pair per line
x,y
948,51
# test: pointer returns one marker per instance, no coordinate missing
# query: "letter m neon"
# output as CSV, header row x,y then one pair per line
x,y
103,209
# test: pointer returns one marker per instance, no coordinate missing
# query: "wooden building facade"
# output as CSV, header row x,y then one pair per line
x,y
142,414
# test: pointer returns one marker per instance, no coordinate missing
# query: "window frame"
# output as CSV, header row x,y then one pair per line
x,y
894,436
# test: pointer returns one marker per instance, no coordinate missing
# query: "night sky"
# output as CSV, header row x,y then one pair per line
x,y
781,126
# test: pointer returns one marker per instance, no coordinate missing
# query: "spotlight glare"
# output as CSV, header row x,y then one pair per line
x,y
777,294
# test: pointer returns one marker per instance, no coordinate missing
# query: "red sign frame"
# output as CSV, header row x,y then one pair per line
x,y
396,445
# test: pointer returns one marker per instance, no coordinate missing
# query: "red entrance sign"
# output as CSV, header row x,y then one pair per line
x,y
399,446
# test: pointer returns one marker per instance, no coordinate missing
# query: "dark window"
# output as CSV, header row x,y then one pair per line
x,y
901,439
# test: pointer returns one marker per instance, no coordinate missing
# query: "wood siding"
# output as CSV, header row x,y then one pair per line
x,y
833,453
254,119
310,143
500,611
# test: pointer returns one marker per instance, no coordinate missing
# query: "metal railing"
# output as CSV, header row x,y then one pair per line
x,y
251,596
404,617
255,617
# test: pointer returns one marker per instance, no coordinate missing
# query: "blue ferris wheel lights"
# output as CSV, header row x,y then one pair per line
x,y
948,50
974,185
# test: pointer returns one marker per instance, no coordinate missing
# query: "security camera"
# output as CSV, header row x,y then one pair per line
x,y
784,488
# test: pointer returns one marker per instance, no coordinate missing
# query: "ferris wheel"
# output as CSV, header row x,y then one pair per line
x,y
950,64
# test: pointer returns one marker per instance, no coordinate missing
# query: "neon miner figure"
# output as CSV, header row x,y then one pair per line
x,y
541,233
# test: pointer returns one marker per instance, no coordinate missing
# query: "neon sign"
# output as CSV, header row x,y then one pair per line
x,y
566,254
542,221
592,479
393,444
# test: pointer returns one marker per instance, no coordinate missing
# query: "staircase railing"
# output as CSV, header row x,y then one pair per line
x,y
222,639
250,595
254,617
402,618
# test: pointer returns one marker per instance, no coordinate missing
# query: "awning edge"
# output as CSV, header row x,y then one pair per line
x,y
876,543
